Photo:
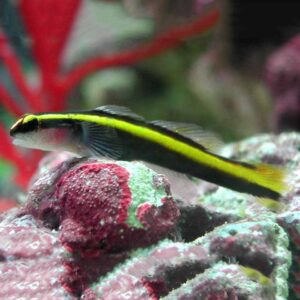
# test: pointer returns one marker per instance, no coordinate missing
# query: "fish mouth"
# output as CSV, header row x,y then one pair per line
x,y
18,141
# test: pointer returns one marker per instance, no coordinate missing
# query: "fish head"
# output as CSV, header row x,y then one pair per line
x,y
24,130
30,131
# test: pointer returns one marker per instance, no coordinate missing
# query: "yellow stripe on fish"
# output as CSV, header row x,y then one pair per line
x,y
175,146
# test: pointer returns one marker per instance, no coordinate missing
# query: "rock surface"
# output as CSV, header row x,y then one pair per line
x,y
95,229
95,212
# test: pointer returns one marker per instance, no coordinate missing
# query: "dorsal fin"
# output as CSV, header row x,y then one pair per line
x,y
119,111
193,132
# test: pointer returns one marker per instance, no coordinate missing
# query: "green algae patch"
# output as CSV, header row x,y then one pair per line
x,y
225,200
143,190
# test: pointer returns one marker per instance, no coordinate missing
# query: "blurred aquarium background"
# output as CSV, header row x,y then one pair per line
x,y
233,67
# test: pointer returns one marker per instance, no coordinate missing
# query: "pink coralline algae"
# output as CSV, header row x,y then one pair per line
x,y
198,269
283,78
96,229
30,266
91,204
153,272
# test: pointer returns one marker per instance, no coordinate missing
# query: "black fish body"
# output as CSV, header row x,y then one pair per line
x,y
156,154
116,132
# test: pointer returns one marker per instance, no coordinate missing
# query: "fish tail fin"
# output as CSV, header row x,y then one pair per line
x,y
272,177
